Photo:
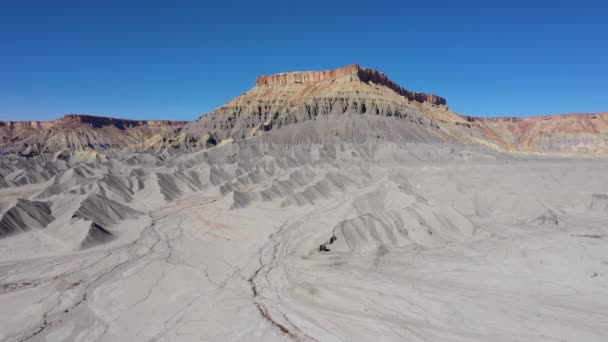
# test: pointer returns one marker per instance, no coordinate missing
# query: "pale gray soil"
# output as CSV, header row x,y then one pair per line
x,y
333,242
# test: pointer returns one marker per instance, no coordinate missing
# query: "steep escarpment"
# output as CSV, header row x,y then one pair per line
x,y
25,124
356,104
363,74
325,100
101,121
352,103
77,132
581,134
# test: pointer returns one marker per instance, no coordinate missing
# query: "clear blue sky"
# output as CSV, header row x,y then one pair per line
x,y
178,59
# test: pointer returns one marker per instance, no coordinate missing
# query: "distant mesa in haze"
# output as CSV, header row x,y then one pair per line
x,y
91,120
351,103
78,132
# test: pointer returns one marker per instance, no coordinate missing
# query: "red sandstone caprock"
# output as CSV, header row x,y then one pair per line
x,y
364,74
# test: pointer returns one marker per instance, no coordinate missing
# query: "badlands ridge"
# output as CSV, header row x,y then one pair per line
x,y
330,206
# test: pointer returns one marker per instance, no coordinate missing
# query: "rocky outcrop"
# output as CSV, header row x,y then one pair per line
x,y
351,103
25,124
91,120
556,117
362,74
175,140
580,134
318,100
306,76
100,121
78,132
289,98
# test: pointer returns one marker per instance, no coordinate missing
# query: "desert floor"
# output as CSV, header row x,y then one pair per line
x,y
482,249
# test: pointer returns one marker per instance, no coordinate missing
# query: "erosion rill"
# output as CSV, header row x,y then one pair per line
x,y
329,205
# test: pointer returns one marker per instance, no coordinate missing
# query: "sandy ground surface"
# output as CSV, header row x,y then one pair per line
x,y
459,247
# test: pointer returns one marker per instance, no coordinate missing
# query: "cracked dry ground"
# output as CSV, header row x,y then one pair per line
x,y
425,252
89,296
167,282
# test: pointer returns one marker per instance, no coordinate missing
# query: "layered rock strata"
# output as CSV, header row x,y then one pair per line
x,y
581,134
298,97
363,74
78,132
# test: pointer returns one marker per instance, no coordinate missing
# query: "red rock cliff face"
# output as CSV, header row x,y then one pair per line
x,y
307,76
581,134
78,132
363,74
312,97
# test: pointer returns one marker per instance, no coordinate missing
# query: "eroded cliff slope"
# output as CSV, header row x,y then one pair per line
x,y
580,134
354,103
326,102
351,103
77,132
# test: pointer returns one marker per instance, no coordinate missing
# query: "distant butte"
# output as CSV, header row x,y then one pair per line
x,y
576,116
79,132
90,120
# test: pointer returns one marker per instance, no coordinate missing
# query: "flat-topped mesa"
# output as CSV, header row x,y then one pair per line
x,y
75,120
537,118
583,134
26,124
307,76
80,132
100,121
363,74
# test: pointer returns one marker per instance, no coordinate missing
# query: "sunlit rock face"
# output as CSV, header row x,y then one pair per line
x,y
356,72
304,97
351,103
78,132
318,206
573,134
357,103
